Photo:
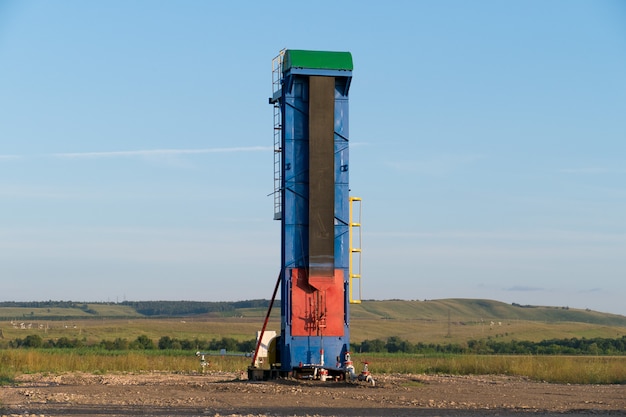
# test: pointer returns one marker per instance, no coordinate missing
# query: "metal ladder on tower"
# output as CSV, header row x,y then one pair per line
x,y
277,73
354,268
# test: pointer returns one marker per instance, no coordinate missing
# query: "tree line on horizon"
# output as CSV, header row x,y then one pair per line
x,y
572,346
142,342
393,344
150,308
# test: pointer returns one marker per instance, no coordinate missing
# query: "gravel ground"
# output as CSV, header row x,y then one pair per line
x,y
228,394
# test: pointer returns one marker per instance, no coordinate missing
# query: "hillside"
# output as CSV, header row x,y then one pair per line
x,y
434,321
460,320
477,310
456,310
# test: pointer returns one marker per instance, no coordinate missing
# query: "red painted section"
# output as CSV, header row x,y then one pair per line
x,y
317,304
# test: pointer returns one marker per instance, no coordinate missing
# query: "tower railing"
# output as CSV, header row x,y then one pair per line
x,y
277,73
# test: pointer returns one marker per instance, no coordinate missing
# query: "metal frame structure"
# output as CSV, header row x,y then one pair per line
x,y
310,98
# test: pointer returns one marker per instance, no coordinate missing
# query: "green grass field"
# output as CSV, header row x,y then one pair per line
x,y
438,322
438,332
555,369
95,330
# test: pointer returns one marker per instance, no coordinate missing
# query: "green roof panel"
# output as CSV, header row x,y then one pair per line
x,y
297,58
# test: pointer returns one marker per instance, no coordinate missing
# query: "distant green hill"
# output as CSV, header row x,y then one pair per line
x,y
475,310
64,310
457,310
434,321
460,320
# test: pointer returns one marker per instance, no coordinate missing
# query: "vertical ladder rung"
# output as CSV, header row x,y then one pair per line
x,y
355,248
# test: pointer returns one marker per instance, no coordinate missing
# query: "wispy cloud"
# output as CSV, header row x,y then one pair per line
x,y
142,153
159,152
523,288
590,290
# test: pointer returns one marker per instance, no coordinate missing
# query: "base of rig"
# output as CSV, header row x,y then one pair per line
x,y
313,373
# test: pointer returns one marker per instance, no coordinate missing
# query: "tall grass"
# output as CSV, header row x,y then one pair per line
x,y
555,369
26,361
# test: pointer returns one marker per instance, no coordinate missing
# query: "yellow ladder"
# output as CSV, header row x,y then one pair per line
x,y
355,251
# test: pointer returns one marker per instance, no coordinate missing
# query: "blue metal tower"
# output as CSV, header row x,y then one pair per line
x,y
312,202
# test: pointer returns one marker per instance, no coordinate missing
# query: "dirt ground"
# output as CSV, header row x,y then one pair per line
x,y
228,394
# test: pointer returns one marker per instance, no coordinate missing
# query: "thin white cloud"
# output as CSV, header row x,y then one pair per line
x,y
142,153
159,152
523,288
590,290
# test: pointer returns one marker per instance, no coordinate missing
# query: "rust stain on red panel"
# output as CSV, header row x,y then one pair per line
x,y
317,304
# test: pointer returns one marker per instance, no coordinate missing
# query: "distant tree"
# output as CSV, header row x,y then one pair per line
x,y
106,344
191,344
246,346
393,344
64,342
227,343
32,341
120,344
165,342
375,345
142,342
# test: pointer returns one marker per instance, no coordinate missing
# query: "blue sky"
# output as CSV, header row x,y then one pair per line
x,y
488,145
